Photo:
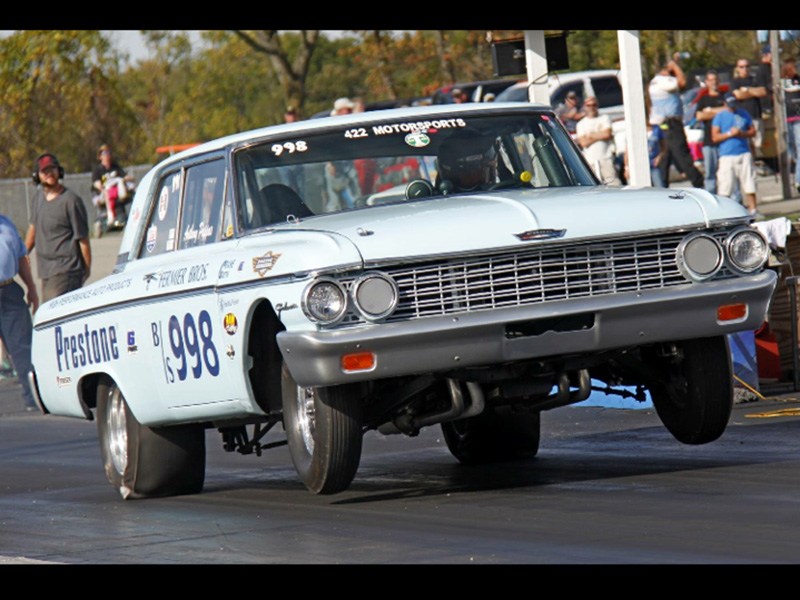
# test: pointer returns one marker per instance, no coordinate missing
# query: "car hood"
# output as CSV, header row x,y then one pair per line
x,y
473,222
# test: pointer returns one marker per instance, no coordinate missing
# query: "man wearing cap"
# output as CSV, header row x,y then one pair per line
x,y
570,111
731,130
15,318
59,230
342,106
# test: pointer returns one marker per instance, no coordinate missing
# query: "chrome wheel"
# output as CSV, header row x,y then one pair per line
x,y
117,431
306,416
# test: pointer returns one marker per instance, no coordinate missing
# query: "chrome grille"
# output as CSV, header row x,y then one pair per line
x,y
535,275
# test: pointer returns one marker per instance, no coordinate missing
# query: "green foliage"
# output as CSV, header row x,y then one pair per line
x,y
67,92
60,95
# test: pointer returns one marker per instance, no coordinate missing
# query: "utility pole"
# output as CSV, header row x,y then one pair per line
x,y
779,114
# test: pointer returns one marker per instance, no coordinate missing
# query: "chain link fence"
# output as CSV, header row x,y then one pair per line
x,y
16,195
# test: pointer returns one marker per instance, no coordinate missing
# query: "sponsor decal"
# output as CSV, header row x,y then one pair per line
x,y
229,351
163,203
63,381
133,349
152,236
231,325
225,269
78,347
263,264
541,234
418,126
417,139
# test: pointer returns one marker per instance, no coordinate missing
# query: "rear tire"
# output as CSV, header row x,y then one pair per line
x,y
144,462
495,435
323,428
695,397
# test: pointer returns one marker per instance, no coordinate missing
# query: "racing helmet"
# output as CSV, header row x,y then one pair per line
x,y
468,159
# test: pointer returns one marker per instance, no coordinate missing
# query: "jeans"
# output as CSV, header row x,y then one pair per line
x,y
711,162
793,128
16,331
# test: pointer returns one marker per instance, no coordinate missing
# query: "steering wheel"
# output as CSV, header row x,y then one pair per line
x,y
519,180
418,188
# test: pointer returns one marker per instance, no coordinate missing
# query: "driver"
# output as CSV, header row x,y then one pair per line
x,y
467,162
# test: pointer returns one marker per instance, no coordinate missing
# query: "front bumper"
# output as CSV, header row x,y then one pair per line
x,y
498,336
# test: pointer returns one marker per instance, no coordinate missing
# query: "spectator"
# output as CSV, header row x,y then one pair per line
x,y
764,78
459,96
748,94
358,105
342,106
290,116
791,84
657,149
570,111
708,106
112,185
59,231
730,130
665,99
15,318
597,140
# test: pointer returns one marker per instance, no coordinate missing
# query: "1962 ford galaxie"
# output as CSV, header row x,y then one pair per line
x,y
388,271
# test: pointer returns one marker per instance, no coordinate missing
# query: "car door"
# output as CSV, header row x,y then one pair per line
x,y
184,245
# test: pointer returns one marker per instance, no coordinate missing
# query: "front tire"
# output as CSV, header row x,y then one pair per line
x,y
694,398
323,429
495,435
144,462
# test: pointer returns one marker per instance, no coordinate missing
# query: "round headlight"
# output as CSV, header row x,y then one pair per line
x,y
375,295
747,250
325,301
699,257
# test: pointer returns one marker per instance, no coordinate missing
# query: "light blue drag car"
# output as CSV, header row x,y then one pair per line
x,y
388,271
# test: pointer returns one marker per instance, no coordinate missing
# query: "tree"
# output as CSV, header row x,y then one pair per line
x,y
60,95
291,71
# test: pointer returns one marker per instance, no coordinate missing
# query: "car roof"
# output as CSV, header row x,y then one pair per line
x,y
376,116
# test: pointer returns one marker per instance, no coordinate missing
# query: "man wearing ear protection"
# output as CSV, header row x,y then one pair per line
x,y
59,230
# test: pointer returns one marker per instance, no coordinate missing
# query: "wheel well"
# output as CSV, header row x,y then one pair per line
x,y
262,347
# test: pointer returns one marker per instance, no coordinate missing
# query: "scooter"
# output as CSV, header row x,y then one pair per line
x,y
111,204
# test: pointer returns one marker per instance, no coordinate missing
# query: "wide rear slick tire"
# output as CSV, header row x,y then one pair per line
x,y
145,462
695,397
495,435
323,429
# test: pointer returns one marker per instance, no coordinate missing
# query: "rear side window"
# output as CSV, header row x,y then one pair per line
x,y
161,229
607,90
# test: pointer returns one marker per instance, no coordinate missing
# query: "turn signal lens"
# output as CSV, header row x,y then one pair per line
x,y
358,361
732,312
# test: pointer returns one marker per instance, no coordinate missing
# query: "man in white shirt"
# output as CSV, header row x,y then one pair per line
x,y
597,140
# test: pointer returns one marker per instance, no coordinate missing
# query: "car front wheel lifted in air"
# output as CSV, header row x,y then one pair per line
x,y
323,429
694,395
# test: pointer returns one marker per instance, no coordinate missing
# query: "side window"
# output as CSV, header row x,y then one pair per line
x,y
202,204
160,231
608,91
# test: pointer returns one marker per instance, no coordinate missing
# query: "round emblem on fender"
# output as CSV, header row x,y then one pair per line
x,y
231,324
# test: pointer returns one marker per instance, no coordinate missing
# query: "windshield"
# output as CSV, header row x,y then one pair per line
x,y
394,161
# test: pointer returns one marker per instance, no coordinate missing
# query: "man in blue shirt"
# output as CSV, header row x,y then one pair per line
x,y
732,130
15,318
